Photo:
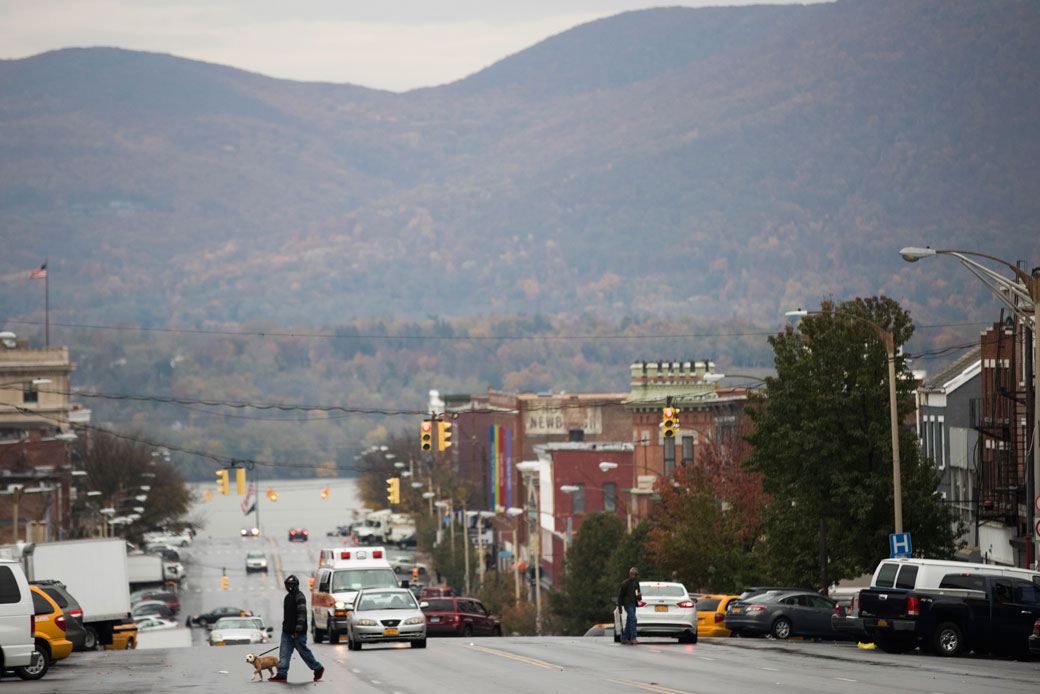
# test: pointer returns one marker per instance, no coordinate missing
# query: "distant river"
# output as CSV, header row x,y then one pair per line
x,y
299,505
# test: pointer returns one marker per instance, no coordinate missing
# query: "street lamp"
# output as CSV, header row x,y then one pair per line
x,y
888,341
1022,296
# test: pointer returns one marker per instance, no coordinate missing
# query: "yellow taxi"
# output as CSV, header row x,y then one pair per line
x,y
124,637
711,614
49,628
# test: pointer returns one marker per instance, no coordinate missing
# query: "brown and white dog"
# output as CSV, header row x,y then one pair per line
x,y
267,662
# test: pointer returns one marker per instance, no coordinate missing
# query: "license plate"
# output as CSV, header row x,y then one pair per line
x,y
882,622
434,620
736,610
389,632
660,608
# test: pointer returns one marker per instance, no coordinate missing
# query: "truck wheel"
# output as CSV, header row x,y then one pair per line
x,y
332,633
781,628
948,640
316,636
36,668
90,641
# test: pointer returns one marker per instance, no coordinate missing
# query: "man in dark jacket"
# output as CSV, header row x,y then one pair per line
x,y
294,633
628,597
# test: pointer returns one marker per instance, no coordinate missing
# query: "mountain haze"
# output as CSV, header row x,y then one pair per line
x,y
714,162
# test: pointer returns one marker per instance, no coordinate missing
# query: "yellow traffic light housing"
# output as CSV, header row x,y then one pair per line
x,y
272,495
443,435
222,482
393,490
426,435
670,420
240,480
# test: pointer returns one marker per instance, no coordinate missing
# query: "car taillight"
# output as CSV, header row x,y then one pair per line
x,y
60,621
913,606
76,613
853,610
344,555
1036,628
720,617
305,532
641,604
756,608
377,555
686,603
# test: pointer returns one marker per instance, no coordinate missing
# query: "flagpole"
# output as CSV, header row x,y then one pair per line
x,y
46,307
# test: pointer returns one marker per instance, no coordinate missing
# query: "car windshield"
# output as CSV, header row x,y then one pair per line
x,y
440,605
662,591
358,579
769,596
255,555
395,600
235,623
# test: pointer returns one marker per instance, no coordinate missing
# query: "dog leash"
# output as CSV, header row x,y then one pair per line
x,y
267,651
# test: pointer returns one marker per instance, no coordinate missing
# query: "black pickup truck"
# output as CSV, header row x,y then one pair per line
x,y
987,614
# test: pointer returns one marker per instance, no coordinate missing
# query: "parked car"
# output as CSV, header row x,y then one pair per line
x,y
166,597
298,535
1034,640
459,617
74,630
783,614
124,637
711,615
17,645
49,622
230,631
381,615
256,561
600,630
156,624
207,619
436,593
665,610
151,608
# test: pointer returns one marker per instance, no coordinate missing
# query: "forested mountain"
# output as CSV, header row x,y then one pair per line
x,y
694,165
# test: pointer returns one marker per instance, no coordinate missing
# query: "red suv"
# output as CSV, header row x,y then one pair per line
x,y
459,617
165,596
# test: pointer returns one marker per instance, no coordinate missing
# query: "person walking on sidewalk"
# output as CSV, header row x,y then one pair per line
x,y
294,633
628,597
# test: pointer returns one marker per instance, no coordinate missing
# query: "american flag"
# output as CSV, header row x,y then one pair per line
x,y
39,273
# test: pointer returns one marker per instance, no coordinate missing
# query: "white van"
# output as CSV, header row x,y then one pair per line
x,y
342,572
16,616
926,574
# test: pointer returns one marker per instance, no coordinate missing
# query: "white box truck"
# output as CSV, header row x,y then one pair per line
x,y
145,570
95,572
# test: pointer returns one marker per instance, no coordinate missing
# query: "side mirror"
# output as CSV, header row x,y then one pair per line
x,y
423,604
269,630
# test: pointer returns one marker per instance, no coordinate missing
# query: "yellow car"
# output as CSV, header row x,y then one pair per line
x,y
711,615
124,637
48,631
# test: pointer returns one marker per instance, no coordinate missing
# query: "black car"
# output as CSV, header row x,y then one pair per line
x,y
210,618
1034,640
783,614
298,535
74,630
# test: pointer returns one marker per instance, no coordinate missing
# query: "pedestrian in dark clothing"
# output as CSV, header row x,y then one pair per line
x,y
628,597
294,633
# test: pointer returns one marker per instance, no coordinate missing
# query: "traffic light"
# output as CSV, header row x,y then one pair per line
x,y
670,417
443,435
222,482
224,581
393,490
240,480
426,435
272,495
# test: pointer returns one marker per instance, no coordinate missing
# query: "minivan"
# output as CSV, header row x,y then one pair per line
x,y
17,645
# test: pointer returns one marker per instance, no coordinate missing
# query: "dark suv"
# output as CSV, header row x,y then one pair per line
x,y
459,617
74,630
298,535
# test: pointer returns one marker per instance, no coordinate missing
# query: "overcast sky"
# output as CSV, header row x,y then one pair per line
x,y
395,44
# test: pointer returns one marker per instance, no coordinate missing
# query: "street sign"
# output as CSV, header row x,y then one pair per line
x,y
899,545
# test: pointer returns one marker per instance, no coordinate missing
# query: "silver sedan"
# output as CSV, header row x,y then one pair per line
x,y
380,615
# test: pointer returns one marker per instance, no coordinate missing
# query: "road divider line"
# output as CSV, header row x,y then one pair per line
x,y
513,656
278,566
650,687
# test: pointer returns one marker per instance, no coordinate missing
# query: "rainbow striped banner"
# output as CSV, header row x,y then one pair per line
x,y
500,462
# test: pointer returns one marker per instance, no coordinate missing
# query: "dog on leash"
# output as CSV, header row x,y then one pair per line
x,y
267,662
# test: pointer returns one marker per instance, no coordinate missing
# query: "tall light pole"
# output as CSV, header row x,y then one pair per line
x,y
1022,296
888,341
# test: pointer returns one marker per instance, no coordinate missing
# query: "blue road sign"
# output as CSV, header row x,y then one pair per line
x,y
899,545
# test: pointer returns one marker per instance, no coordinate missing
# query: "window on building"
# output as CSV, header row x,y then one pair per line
x,y
30,395
576,435
687,450
579,499
940,446
609,496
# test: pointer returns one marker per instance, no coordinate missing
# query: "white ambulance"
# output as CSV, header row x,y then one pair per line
x,y
342,572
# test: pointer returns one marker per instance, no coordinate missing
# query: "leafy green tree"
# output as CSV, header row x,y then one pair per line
x,y
631,551
822,442
588,590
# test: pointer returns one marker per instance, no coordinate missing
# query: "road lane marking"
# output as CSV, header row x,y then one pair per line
x,y
845,679
771,669
513,656
650,687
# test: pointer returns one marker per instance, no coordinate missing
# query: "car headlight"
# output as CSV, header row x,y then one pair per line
x,y
256,638
215,636
340,604
414,620
366,622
